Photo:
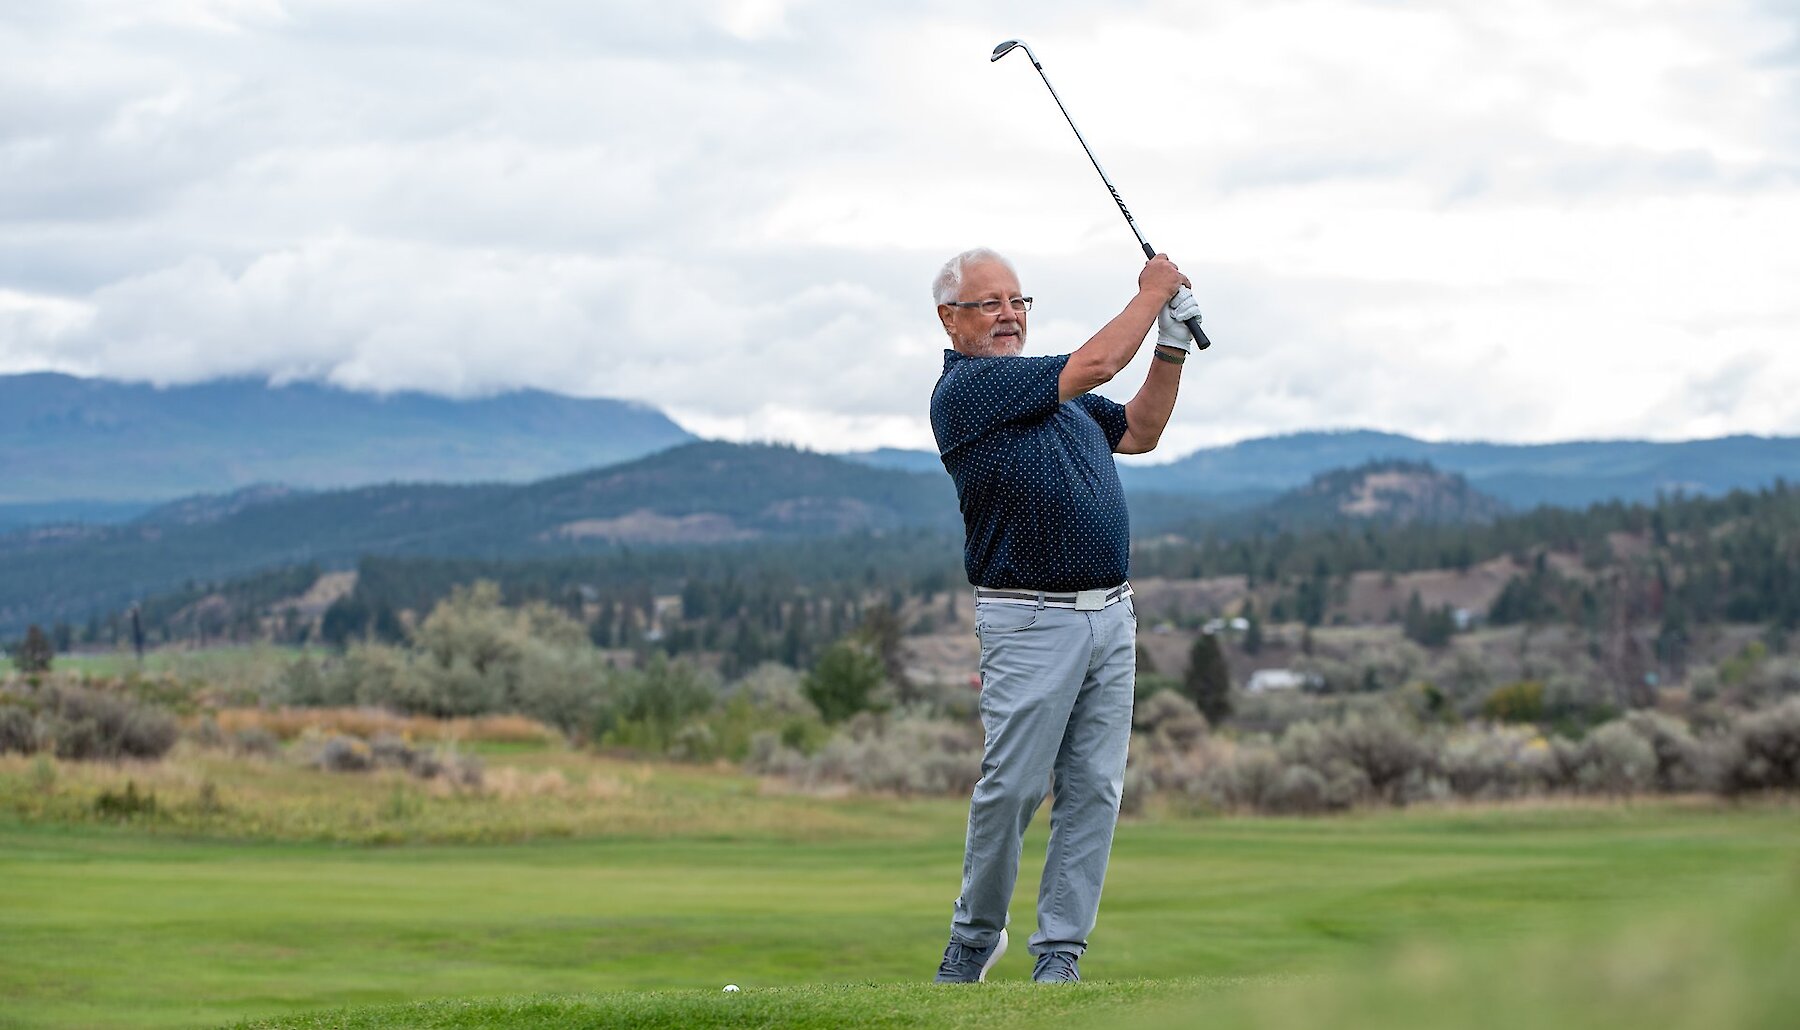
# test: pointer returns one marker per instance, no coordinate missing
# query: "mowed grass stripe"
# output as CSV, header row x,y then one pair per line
x,y
111,928
887,1006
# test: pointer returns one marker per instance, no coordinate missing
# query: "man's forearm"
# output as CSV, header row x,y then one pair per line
x,y
1111,349
1147,413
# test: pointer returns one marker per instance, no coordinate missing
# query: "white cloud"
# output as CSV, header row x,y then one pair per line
x,y
1519,220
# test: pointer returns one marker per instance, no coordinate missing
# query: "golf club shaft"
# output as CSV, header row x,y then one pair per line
x,y
1193,324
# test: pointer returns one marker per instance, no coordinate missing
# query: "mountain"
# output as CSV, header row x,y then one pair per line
x,y
1571,474
897,458
101,442
1382,493
1523,475
698,493
15,516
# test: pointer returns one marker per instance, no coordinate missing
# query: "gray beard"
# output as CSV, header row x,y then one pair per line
x,y
991,346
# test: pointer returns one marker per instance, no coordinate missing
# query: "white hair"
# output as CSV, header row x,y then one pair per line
x,y
948,283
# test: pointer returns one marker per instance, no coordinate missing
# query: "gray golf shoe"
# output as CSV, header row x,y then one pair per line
x,y
1056,967
965,965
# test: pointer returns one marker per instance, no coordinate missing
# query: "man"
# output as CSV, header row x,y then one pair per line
x,y
1047,545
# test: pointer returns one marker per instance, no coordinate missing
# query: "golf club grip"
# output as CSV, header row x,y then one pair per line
x,y
1200,340
1193,324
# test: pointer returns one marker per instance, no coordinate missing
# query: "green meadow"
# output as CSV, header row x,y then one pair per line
x,y
830,911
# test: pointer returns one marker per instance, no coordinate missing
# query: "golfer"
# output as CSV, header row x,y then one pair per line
x,y
1048,539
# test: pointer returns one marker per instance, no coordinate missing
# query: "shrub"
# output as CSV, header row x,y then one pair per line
x,y
1770,680
1574,702
207,733
1763,752
255,741
303,683
1243,778
1148,684
89,724
1390,755
657,701
1614,759
569,687
125,804
768,756
845,679
767,700
19,731
374,674
1298,789
345,754
1273,711
474,656
1367,666
1172,718
1170,751
899,755
458,686
1491,764
694,742
1682,763
1520,701
391,752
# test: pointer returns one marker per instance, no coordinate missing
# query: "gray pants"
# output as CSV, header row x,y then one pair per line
x,y
1056,691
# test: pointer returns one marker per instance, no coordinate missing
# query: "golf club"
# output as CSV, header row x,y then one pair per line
x,y
1193,324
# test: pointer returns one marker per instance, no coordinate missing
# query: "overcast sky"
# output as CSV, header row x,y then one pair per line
x,y
1518,221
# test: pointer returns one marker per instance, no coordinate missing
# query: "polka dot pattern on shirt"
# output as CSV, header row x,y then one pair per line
x,y
1041,501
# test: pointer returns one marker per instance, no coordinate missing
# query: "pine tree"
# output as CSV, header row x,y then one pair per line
x,y
1253,636
34,653
1208,679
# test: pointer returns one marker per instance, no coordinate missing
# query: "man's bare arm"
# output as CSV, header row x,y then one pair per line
x,y
1147,414
1113,347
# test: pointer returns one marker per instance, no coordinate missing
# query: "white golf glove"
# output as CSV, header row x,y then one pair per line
x,y
1171,327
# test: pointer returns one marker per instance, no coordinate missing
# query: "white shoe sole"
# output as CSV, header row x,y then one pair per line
x,y
999,950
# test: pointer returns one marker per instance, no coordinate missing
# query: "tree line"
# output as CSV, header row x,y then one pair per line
x,y
1696,561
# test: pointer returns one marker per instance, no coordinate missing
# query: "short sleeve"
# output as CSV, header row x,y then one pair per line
x,y
1110,414
981,394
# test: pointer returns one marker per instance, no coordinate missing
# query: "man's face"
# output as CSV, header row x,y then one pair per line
x,y
981,335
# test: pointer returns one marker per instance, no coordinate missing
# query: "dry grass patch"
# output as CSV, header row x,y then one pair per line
x,y
292,723
547,794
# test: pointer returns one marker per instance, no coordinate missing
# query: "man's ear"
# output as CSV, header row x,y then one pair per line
x,y
945,314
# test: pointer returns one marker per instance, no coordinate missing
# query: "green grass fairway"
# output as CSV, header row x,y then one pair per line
x,y
112,927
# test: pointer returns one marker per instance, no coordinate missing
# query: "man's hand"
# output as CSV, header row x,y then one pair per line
x,y
1161,278
1171,321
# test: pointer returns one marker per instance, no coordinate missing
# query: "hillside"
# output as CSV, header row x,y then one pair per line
x,y
1383,493
96,450
1521,475
699,493
96,440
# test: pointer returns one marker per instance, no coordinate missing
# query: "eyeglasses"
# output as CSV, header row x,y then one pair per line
x,y
1020,305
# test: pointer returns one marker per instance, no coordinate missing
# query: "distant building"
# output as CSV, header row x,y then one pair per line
x,y
1277,679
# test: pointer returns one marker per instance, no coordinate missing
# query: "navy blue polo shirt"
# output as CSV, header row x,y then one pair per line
x,y
1040,495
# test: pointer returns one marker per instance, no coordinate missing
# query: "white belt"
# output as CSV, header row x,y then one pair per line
x,y
1080,600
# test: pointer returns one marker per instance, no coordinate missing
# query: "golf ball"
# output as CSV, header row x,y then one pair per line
x,y
730,987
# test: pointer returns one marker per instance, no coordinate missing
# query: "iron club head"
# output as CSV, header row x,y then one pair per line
x,y
1002,49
